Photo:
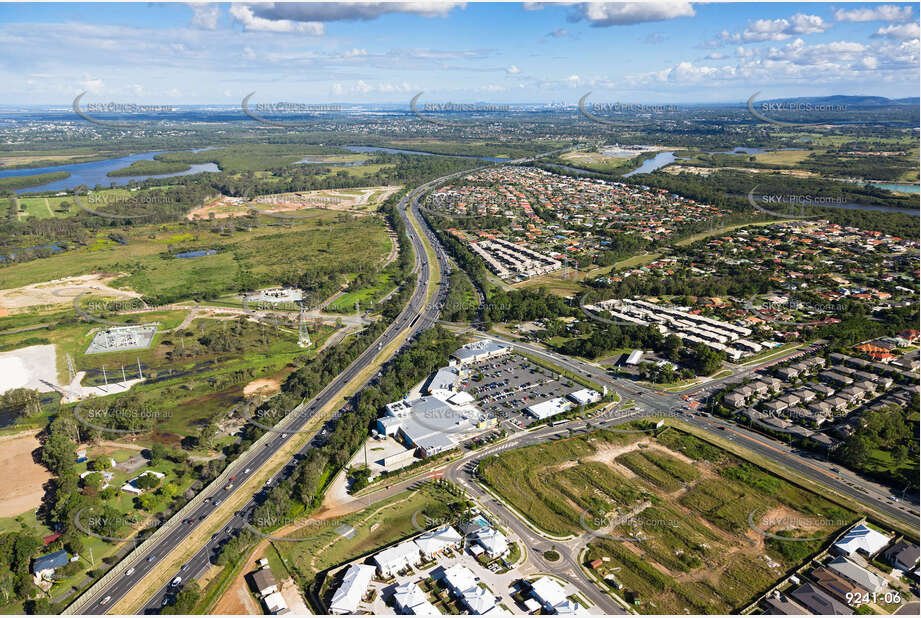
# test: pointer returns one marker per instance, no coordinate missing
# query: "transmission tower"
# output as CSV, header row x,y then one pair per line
x,y
303,338
71,370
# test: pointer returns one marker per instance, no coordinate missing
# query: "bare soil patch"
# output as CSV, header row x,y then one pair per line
x,y
24,477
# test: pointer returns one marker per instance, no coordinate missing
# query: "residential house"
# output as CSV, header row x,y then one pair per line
x,y
774,407
478,600
398,558
493,541
857,574
777,604
264,582
836,586
903,555
437,541
353,587
861,540
44,566
823,390
734,400
548,593
459,578
815,600
409,599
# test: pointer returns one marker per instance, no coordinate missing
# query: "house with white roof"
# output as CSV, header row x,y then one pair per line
x,y
548,592
478,600
493,541
433,543
275,603
350,592
395,559
861,540
409,599
459,578
569,608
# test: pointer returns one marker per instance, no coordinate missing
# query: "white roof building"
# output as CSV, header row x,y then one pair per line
x,y
437,541
479,600
275,603
444,381
569,608
634,358
430,424
394,559
461,399
480,350
546,409
354,584
863,540
409,599
493,541
549,592
459,578
583,397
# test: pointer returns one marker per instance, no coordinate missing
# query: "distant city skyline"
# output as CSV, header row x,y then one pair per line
x,y
512,53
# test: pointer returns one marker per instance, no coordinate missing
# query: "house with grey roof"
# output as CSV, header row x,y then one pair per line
x,y
822,389
818,602
857,574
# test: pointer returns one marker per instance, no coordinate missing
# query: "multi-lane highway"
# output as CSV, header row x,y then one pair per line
x,y
419,314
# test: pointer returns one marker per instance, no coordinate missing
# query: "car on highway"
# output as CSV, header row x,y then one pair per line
x,y
176,581
129,572
151,558
105,600
228,486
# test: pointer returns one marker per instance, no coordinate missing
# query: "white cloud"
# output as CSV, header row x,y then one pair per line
x,y
776,29
513,70
92,85
244,14
602,15
904,32
355,53
204,16
559,32
880,12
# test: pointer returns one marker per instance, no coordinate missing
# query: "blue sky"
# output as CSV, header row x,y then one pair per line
x,y
672,52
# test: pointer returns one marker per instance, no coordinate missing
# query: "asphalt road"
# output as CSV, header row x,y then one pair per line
x,y
418,315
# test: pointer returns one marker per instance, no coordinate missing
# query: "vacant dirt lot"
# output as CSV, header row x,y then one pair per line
x,y
24,478
60,292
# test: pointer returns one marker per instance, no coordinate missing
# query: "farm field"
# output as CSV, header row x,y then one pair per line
x,y
668,515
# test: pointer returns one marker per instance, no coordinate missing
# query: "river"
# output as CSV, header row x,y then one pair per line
x,y
95,173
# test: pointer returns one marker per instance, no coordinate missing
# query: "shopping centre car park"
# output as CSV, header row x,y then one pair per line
x,y
512,383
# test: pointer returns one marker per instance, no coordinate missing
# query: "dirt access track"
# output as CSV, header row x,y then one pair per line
x,y
61,292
